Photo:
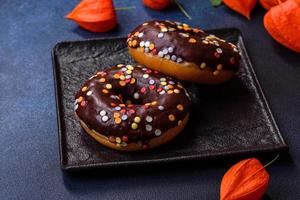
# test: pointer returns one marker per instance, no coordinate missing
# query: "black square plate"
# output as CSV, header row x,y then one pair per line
x,y
226,120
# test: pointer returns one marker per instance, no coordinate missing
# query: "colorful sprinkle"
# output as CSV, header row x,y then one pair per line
x,y
161,108
171,117
180,107
145,75
176,91
105,91
84,89
192,40
149,119
124,117
108,86
219,67
118,120
136,95
134,125
148,127
102,112
104,118
118,140
216,73
102,80
160,35
137,119
157,132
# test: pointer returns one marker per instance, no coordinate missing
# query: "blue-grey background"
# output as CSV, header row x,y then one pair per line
x,y
29,158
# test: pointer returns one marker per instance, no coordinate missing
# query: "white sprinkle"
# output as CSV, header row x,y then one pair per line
x,y
148,127
173,57
145,75
146,50
123,69
103,112
76,106
160,35
161,108
157,132
118,108
128,76
167,57
160,54
104,118
171,82
76,101
162,79
151,82
136,95
147,44
140,35
144,69
165,51
170,49
219,50
113,97
235,49
179,60
124,117
149,119
142,43
162,92
89,93
166,87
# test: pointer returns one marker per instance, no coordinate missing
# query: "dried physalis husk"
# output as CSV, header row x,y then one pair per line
x,y
246,180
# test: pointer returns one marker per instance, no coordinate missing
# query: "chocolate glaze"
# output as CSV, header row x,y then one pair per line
x,y
189,44
125,81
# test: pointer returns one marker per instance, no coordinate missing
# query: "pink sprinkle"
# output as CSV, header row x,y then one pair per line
x,y
217,54
83,103
143,90
151,87
159,90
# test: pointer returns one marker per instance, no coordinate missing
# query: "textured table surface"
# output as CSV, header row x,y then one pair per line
x,y
29,159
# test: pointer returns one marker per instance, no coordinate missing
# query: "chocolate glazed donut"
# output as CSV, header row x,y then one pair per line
x,y
183,52
130,108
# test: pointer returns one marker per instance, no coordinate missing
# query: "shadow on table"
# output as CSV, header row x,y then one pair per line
x,y
130,178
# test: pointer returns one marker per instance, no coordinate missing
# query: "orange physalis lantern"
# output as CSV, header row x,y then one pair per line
x,y
243,7
94,15
246,180
156,4
283,24
268,4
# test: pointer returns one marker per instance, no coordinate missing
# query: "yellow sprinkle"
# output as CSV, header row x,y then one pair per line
x,y
120,65
134,125
196,30
192,40
118,140
163,83
129,43
116,76
153,103
151,46
171,117
137,119
179,27
84,89
128,71
102,80
179,122
180,107
136,33
130,67
108,86
203,65
147,104
122,78
122,83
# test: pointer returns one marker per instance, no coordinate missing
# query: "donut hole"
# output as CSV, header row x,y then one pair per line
x,y
130,96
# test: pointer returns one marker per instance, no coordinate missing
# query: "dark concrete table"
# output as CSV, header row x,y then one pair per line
x,y
29,161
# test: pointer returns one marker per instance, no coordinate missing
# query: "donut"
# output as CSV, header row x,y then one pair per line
x,y
131,108
183,52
